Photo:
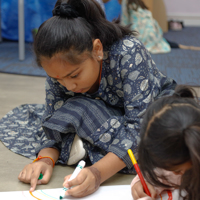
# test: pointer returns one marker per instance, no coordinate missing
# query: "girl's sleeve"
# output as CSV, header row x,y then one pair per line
x,y
56,95
141,83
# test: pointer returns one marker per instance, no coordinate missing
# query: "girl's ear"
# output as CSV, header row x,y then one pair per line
x,y
97,49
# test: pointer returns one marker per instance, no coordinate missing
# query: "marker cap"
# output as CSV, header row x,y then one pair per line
x,y
82,163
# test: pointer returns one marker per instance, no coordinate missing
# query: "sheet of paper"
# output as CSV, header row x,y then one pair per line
x,y
103,193
117,192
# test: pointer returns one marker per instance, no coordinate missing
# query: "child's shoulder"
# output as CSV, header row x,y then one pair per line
x,y
126,44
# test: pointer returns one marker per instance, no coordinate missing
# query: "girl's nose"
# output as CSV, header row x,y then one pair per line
x,y
71,86
182,172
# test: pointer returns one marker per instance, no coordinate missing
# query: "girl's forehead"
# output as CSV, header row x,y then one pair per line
x,y
56,67
71,57
76,58
184,166
45,60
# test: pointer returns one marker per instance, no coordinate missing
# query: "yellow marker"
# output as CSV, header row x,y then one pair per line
x,y
137,169
132,157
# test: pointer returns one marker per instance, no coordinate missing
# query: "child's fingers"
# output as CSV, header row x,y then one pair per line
x,y
33,183
34,177
76,181
46,177
84,188
22,176
76,186
34,180
152,190
79,191
25,175
135,195
85,184
138,191
66,179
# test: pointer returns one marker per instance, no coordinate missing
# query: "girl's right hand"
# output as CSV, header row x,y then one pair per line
x,y
31,173
138,191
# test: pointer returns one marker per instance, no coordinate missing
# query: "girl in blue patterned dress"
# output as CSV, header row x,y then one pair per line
x,y
100,81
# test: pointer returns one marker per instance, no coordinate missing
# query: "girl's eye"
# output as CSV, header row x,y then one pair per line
x,y
74,76
177,172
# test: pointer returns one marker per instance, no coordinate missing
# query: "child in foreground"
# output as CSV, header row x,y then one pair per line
x,y
100,81
169,151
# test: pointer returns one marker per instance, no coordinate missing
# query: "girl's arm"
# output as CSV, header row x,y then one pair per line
x,y
32,171
90,178
50,152
109,165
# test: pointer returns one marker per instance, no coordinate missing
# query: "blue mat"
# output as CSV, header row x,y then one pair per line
x,y
181,65
9,60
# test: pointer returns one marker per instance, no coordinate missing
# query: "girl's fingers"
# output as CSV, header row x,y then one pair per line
x,y
24,176
31,173
83,184
46,176
138,190
80,190
82,176
21,176
33,185
135,195
152,191
67,178
65,184
34,179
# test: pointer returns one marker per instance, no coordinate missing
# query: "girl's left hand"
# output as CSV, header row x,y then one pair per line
x,y
87,182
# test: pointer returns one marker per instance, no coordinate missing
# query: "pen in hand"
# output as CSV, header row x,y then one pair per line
x,y
79,167
137,169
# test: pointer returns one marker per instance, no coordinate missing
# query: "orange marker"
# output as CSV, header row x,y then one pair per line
x,y
137,169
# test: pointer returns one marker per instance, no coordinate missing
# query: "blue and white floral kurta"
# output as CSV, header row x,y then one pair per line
x,y
108,120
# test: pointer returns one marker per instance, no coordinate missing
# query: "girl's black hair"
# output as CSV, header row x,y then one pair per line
x,y
170,136
137,4
74,26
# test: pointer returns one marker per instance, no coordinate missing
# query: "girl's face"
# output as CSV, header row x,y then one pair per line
x,y
182,168
78,78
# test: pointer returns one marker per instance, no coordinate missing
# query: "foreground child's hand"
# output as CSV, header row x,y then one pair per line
x,y
87,182
31,173
138,191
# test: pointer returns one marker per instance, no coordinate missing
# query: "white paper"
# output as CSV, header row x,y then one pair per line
x,y
117,192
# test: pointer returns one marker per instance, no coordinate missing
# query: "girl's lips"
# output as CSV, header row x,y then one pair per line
x,y
78,91
83,90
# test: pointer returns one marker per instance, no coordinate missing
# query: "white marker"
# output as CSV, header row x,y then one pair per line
x,y
79,167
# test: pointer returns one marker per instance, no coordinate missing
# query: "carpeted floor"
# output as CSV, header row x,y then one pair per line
x,y
181,65
9,60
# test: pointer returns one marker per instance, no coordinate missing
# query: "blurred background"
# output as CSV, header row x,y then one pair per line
x,y
37,11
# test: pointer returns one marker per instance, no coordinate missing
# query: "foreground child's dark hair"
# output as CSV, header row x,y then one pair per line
x,y
170,136
72,29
